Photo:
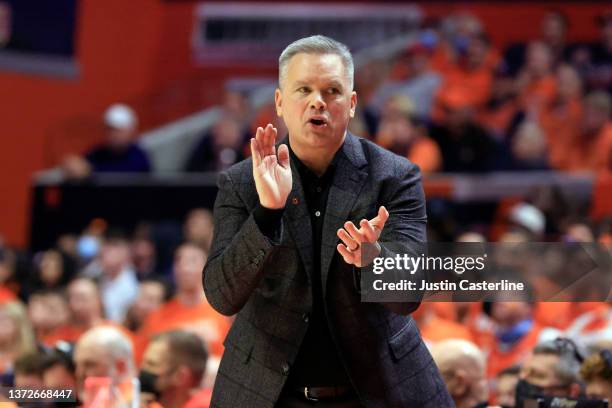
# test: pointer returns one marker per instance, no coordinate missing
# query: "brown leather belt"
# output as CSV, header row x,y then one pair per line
x,y
324,393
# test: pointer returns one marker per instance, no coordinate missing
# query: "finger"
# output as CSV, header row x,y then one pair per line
x,y
269,139
353,231
350,243
283,156
368,231
255,153
348,256
380,220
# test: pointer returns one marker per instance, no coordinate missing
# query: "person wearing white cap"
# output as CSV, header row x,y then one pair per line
x,y
118,153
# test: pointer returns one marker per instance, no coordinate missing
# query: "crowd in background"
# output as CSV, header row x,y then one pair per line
x,y
450,102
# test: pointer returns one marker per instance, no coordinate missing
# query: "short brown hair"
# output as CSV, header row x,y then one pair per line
x,y
596,366
186,349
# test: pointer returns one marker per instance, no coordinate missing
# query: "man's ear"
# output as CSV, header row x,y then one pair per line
x,y
278,100
353,104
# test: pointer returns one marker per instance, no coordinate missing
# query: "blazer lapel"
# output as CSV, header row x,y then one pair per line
x,y
347,184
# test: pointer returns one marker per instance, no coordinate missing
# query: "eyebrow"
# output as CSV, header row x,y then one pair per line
x,y
332,83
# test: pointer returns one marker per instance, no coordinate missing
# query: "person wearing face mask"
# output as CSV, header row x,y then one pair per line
x,y
552,370
597,373
172,370
462,366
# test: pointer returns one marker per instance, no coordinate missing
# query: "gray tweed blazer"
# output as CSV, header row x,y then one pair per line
x,y
267,286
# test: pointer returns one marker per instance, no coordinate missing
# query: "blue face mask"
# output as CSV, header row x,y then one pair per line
x,y
516,332
87,247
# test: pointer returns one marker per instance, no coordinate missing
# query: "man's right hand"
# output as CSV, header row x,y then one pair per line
x,y
272,171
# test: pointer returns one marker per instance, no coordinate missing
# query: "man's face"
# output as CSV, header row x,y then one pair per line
x,y
599,389
188,264
90,361
539,370
315,101
156,361
84,300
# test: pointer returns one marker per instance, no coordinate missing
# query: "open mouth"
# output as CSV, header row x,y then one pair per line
x,y
318,122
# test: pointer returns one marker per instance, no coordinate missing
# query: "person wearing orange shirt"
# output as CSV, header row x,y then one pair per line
x,y
189,309
515,335
536,84
399,133
591,150
435,328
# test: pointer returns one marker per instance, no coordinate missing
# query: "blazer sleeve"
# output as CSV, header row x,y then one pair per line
x,y
406,226
239,250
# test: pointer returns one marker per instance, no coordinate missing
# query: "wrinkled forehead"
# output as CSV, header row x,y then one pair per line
x,y
316,68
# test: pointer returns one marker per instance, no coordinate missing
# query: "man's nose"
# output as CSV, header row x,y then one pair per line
x,y
317,101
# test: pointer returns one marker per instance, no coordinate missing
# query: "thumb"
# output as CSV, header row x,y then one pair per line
x,y
283,155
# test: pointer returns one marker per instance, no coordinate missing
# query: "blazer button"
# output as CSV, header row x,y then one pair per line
x,y
305,317
285,368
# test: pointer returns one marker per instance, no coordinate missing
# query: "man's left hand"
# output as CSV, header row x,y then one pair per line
x,y
360,245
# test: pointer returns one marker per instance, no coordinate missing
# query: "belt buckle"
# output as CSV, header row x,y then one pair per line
x,y
308,397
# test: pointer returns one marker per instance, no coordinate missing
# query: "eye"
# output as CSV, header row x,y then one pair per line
x,y
333,91
303,90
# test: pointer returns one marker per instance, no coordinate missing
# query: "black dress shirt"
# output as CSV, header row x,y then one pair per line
x,y
317,362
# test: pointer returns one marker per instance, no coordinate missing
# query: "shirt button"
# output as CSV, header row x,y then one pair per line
x,y
317,213
285,368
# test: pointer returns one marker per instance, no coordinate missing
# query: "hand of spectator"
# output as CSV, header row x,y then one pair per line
x,y
272,171
76,167
360,245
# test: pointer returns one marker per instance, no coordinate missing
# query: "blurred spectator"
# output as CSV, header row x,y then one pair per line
x,y
469,80
465,145
151,295
267,114
596,371
52,270
553,33
529,149
528,219
103,352
118,154
6,24
561,119
117,278
221,147
58,370
553,369
515,334
189,309
595,59
591,148
16,335
399,133
505,386
411,78
462,366
144,257
435,328
536,84
48,311
198,228
172,370
29,370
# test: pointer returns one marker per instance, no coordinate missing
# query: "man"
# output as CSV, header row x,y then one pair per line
x,y
553,370
188,308
104,351
463,367
118,154
301,335
172,370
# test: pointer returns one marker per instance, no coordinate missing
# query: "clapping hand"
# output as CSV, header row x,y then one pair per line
x,y
271,169
360,245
